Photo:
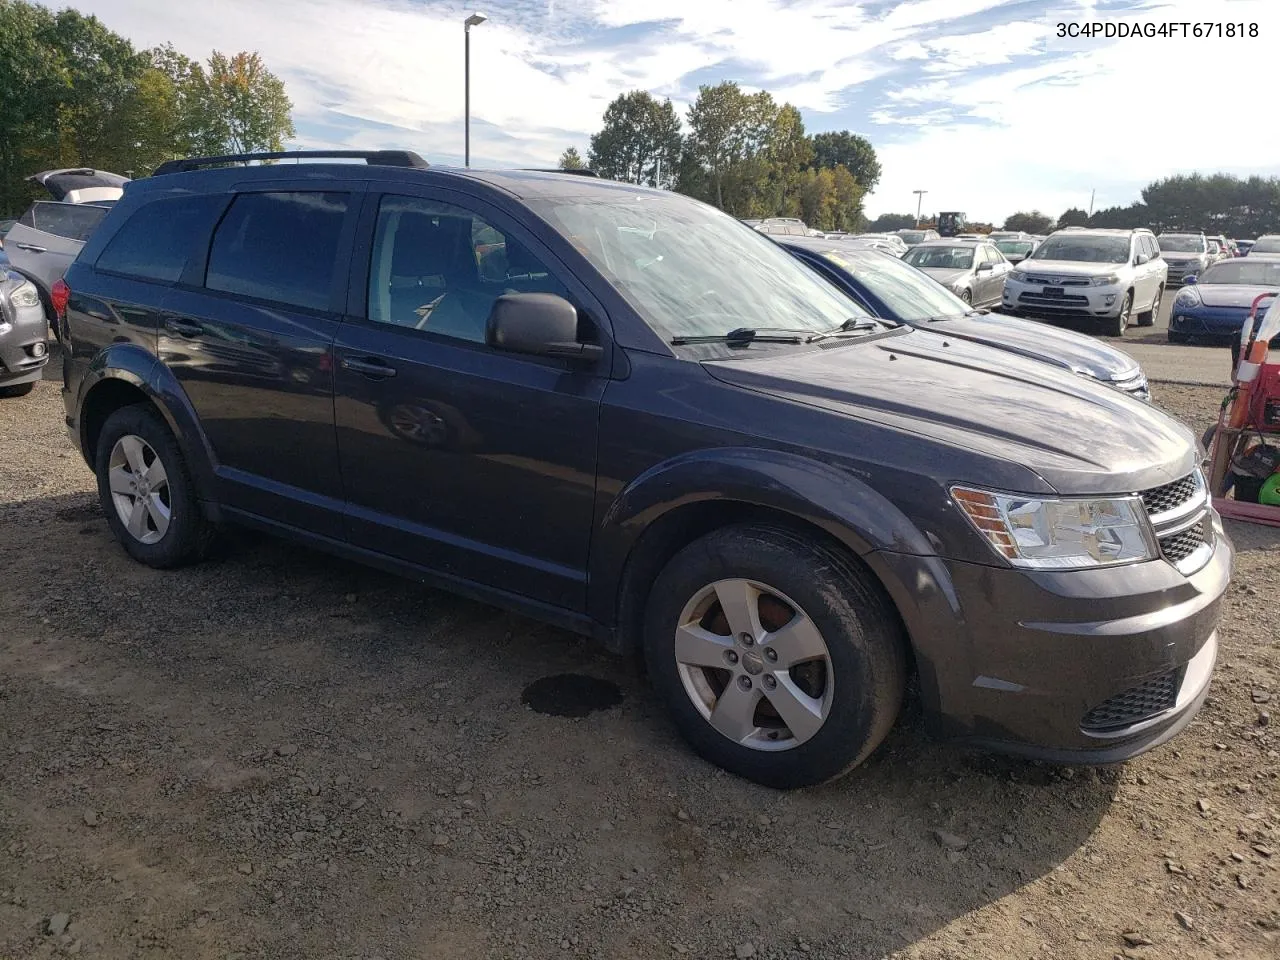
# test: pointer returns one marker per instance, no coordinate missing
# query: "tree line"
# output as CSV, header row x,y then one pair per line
x,y
1215,204
743,152
76,94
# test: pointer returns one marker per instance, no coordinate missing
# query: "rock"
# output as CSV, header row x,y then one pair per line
x,y
682,815
1009,839
57,924
358,802
1262,850
462,787
1174,867
950,840
1264,718
744,951
245,868
364,755
91,818
287,749
1260,696
1202,805
1133,938
1183,920
440,840
763,820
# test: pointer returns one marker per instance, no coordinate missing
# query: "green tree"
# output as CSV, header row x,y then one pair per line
x,y
888,222
854,153
31,87
639,142
718,134
571,160
847,209
1033,222
248,106
1073,217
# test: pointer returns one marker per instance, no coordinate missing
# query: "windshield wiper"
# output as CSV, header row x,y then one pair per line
x,y
854,325
745,335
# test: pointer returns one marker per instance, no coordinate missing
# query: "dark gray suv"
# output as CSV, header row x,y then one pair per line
x,y
624,412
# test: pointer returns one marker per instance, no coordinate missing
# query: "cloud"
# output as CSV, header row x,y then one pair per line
x,y
976,100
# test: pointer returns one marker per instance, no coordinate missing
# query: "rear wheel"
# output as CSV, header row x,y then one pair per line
x,y
1116,325
1148,317
779,659
146,490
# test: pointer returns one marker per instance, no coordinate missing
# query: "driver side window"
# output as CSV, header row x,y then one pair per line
x,y
438,268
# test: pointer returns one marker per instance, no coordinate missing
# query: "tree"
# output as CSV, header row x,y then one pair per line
x,y
1073,217
847,209
639,142
1033,222
249,108
718,134
854,153
570,160
888,222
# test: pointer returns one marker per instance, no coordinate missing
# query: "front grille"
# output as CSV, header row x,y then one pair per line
x,y
1058,281
1179,546
1170,496
1054,299
1134,705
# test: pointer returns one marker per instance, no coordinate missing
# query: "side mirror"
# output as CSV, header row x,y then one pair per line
x,y
985,267
1191,279
538,324
1140,259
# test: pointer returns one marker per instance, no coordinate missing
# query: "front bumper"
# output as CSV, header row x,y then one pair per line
x,y
1050,302
1202,321
1091,666
24,344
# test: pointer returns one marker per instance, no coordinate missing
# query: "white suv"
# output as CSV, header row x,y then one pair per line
x,y
1107,275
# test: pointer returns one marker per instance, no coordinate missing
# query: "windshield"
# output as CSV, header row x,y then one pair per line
x,y
1083,249
1259,273
909,294
690,270
1180,243
912,236
1015,248
942,258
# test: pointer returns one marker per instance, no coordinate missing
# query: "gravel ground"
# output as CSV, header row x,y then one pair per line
x,y
277,754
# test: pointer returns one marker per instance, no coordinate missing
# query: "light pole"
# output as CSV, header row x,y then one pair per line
x,y
919,197
472,21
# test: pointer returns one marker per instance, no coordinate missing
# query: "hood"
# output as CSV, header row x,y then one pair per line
x,y
1039,341
1067,268
946,275
1230,294
81,184
1080,437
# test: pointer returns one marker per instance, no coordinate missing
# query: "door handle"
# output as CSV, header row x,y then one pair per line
x,y
369,366
183,328
32,247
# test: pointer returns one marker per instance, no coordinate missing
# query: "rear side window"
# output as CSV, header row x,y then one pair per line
x,y
279,246
156,240
72,221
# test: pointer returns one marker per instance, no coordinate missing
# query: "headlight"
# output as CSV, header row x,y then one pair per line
x,y
1050,534
25,296
1187,297
1108,281
1019,275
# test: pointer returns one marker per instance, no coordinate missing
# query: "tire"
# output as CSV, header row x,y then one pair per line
x,y
1176,337
1115,326
1148,317
137,434
852,695
966,296
17,390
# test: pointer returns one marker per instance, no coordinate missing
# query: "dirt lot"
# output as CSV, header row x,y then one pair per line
x,y
283,755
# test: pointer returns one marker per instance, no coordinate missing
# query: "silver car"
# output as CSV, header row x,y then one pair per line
x,y
24,334
1187,254
974,270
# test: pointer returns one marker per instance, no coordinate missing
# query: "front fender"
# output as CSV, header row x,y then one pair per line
x,y
826,496
133,364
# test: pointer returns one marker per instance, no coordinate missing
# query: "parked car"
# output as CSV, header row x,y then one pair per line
x,y
24,334
1216,252
81,185
974,272
1216,303
1099,275
913,237
1007,235
783,226
1225,246
689,443
1266,246
891,240
1184,253
1017,249
893,289
5,226
1244,246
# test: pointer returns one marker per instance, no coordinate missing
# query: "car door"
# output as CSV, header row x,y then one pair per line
x,y
1149,271
48,237
457,456
1000,267
248,334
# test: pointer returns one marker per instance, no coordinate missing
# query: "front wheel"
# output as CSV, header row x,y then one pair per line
x,y
1117,324
1148,317
966,296
779,658
146,490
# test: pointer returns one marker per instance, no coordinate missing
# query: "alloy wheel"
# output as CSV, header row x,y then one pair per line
x,y
139,487
754,664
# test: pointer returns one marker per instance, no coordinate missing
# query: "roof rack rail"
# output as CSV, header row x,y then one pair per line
x,y
581,172
384,158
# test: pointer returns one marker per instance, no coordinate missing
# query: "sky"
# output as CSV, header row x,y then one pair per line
x,y
979,102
